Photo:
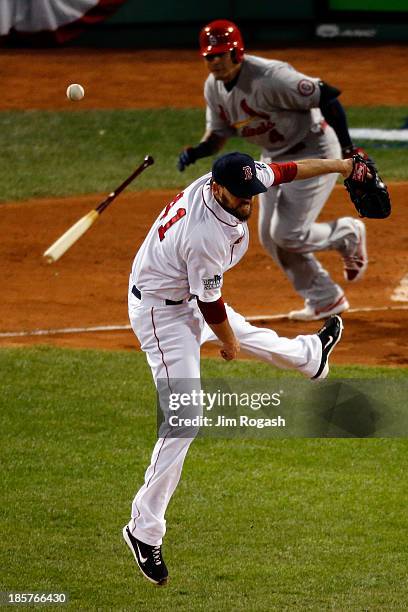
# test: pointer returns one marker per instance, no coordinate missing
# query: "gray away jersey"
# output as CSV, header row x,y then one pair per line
x,y
272,105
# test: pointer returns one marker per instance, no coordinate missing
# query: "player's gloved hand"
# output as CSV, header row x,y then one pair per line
x,y
348,152
186,158
367,190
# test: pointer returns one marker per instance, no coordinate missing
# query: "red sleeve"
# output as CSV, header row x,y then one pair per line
x,y
213,312
284,173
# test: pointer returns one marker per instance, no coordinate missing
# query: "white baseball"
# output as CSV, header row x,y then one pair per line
x,y
75,92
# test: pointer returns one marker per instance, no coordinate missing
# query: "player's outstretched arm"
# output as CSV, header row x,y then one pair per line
x,y
308,168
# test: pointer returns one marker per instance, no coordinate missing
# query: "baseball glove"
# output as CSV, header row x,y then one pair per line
x,y
369,195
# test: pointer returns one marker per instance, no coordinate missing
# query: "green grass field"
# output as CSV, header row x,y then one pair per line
x,y
308,524
61,154
289,524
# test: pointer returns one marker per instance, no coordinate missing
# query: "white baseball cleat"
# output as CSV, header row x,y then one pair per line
x,y
356,260
310,313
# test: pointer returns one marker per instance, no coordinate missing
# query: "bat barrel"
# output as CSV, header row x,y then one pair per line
x,y
63,243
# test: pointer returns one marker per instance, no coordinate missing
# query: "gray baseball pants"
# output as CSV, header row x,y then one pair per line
x,y
288,229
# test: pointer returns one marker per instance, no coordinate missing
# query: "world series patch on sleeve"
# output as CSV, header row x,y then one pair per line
x,y
369,194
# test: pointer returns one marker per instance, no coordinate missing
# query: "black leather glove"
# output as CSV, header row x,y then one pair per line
x,y
369,195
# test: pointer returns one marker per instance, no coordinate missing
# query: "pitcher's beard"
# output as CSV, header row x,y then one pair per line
x,y
238,213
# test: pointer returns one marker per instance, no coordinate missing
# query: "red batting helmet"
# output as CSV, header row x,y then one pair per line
x,y
221,36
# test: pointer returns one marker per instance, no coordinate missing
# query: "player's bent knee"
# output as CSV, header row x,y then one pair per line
x,y
266,239
289,242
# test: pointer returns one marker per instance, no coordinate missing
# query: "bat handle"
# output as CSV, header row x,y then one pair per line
x,y
148,161
101,207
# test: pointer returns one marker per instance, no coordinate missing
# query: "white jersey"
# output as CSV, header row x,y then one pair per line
x,y
191,244
271,105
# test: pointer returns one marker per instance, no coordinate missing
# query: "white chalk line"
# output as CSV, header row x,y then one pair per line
x,y
351,310
378,134
64,330
104,328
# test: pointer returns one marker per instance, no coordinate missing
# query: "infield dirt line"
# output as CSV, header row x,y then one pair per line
x,y
351,310
102,328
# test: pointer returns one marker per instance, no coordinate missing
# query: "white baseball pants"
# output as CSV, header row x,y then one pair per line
x,y
171,337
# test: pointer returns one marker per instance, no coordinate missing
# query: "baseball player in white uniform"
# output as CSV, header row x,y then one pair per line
x,y
290,116
200,235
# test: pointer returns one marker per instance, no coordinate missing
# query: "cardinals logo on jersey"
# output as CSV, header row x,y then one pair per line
x,y
265,126
247,131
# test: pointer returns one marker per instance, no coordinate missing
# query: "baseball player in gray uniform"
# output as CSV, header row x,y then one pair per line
x,y
199,235
289,115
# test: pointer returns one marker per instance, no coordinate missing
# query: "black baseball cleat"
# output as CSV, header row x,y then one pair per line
x,y
329,336
148,558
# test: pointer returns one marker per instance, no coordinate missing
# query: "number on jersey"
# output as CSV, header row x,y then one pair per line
x,y
179,215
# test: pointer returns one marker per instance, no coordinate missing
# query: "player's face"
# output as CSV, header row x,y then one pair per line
x,y
241,208
222,66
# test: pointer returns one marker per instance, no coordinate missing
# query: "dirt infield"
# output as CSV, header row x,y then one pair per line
x,y
368,76
87,287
